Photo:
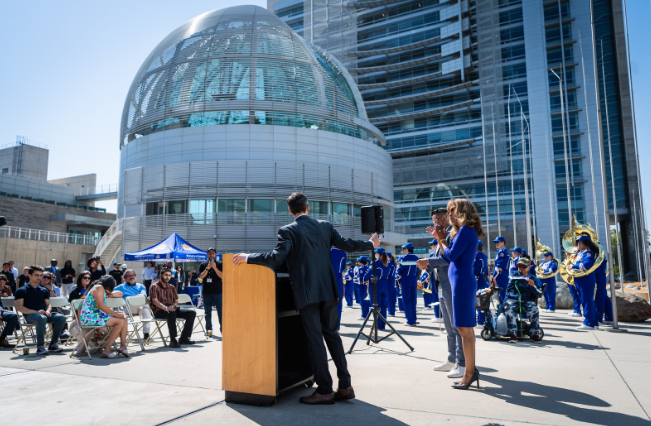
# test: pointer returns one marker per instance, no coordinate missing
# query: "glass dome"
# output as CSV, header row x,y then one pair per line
x,y
242,65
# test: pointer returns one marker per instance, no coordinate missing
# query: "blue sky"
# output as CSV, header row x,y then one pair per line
x,y
67,67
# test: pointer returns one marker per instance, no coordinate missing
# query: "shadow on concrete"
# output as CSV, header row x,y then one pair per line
x,y
570,345
557,400
287,407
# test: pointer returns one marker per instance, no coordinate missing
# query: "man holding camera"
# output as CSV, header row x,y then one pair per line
x,y
210,274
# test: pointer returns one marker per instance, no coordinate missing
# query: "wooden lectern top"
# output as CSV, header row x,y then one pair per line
x,y
249,363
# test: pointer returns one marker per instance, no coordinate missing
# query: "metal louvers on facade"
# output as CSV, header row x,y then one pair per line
x,y
249,179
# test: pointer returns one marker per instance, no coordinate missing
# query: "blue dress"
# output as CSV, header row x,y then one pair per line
x,y
462,254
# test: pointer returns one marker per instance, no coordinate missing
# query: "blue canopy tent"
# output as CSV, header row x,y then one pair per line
x,y
172,249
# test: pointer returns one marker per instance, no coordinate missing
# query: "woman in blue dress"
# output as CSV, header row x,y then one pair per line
x,y
466,230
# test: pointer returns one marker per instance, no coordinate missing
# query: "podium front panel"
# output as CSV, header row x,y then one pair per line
x,y
249,363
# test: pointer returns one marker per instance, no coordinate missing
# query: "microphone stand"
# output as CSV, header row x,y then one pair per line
x,y
375,312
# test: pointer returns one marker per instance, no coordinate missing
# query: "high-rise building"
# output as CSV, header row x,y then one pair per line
x,y
230,114
499,101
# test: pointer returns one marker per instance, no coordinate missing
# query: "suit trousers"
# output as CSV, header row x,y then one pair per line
x,y
320,321
455,345
340,303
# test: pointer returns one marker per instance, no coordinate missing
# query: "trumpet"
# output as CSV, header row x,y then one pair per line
x,y
540,251
368,295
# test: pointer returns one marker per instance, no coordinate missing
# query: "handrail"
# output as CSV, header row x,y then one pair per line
x,y
100,189
51,236
108,236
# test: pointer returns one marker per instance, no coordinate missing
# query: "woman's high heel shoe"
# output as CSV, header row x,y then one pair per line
x,y
475,377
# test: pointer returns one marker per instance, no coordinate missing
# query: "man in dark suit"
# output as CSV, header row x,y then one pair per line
x,y
305,246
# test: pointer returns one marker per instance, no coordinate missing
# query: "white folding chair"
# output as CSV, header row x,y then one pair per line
x,y
76,306
23,325
10,303
58,302
137,302
185,299
119,303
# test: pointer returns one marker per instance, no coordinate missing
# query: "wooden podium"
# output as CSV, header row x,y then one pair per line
x,y
264,349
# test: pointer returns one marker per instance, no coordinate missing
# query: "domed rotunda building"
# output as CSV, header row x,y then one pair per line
x,y
230,114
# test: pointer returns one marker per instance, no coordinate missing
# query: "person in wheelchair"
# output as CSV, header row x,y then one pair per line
x,y
522,294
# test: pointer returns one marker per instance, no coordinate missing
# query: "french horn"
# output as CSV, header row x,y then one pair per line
x,y
569,243
540,251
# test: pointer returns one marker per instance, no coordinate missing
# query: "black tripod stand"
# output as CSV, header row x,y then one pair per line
x,y
375,312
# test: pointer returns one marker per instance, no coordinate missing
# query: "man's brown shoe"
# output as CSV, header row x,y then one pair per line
x,y
4,344
343,394
316,399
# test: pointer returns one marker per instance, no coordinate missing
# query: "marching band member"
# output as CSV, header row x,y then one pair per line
x,y
393,292
434,284
408,275
500,275
549,267
584,260
349,285
532,269
516,254
382,271
359,264
338,260
423,283
363,286
481,272
604,305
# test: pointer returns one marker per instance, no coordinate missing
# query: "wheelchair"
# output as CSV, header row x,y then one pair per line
x,y
498,329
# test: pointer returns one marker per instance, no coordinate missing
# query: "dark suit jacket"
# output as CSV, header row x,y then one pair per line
x,y
305,246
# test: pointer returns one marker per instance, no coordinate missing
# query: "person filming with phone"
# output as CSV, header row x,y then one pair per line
x,y
210,274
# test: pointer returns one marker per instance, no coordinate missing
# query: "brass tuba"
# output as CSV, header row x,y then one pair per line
x,y
540,251
569,243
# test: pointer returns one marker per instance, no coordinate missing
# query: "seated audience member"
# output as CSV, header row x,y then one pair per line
x,y
47,281
525,289
94,312
9,276
5,289
132,288
33,301
165,304
23,278
83,284
97,270
11,321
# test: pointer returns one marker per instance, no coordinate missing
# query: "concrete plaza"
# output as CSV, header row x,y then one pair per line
x,y
573,377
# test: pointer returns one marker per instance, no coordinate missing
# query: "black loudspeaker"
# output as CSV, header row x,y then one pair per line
x,y
372,220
